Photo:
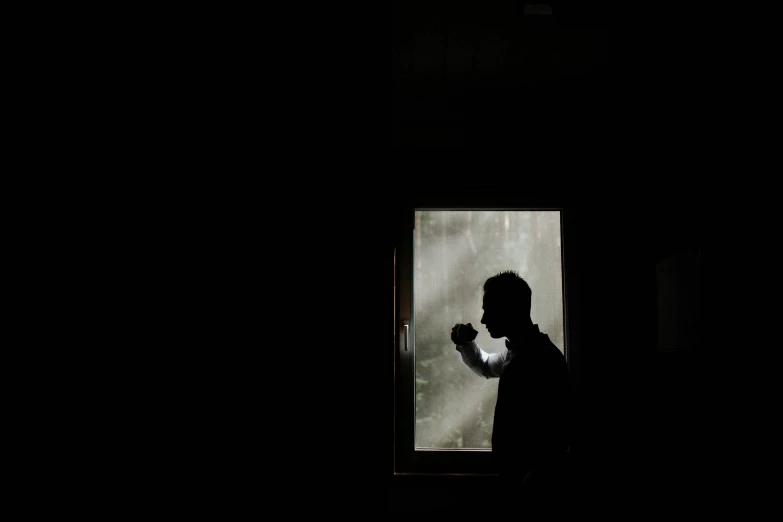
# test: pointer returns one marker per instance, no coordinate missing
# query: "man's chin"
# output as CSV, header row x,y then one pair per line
x,y
494,335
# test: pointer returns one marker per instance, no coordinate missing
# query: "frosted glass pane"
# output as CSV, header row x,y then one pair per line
x,y
455,252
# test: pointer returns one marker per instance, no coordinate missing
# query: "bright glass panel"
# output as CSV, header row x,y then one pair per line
x,y
454,253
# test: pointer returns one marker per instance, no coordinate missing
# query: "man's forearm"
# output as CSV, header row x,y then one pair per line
x,y
479,361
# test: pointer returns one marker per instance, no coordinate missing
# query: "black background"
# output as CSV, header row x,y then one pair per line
x,y
284,396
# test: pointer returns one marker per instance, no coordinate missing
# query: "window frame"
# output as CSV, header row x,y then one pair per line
x,y
408,460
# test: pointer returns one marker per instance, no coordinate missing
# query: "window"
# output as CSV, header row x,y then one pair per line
x,y
444,411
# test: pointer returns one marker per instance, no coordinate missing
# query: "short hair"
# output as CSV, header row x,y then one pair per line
x,y
510,290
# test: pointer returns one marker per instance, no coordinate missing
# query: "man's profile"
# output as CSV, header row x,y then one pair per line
x,y
531,424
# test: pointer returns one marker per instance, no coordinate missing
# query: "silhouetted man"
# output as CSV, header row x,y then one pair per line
x,y
530,432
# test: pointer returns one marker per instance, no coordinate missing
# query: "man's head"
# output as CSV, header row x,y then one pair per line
x,y
506,303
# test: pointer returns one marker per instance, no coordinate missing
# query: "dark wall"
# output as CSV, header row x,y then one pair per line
x,y
615,76
470,75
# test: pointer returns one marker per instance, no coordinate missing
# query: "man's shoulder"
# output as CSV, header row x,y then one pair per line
x,y
551,349
544,351
550,357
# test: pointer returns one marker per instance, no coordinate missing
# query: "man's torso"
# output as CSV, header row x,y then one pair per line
x,y
532,409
